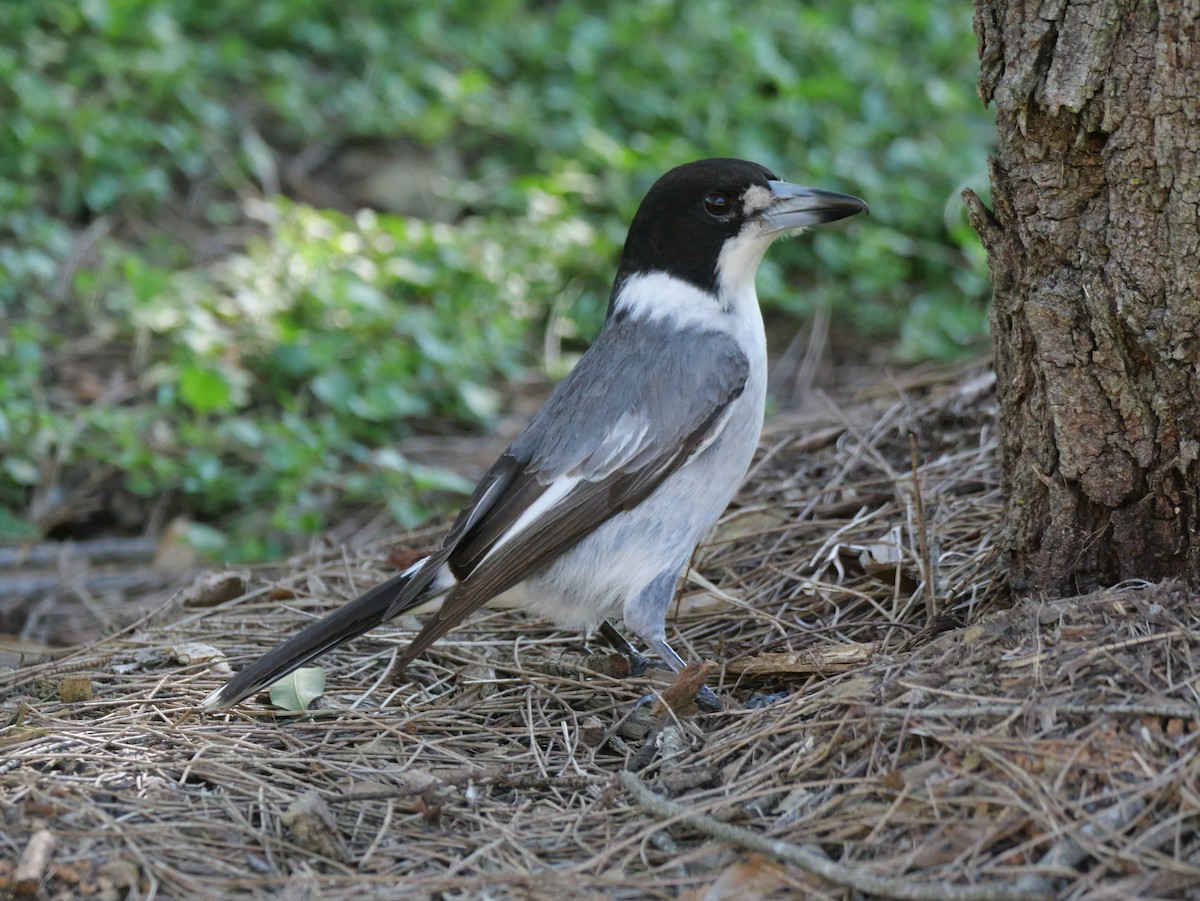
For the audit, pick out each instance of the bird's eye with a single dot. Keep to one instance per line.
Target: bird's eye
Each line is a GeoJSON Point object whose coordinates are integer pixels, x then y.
{"type": "Point", "coordinates": [716, 203]}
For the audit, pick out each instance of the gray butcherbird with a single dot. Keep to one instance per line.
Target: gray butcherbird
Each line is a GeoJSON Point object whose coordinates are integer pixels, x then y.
{"type": "Point", "coordinates": [596, 508]}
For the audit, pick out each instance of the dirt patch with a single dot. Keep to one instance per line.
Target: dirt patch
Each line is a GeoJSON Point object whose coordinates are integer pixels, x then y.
{"type": "Point", "coordinates": [894, 717]}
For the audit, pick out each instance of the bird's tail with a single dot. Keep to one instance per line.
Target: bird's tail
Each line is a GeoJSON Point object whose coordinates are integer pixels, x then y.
{"type": "Point", "coordinates": [364, 613]}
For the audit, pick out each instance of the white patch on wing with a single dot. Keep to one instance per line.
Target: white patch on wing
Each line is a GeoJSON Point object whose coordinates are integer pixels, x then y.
{"type": "Point", "coordinates": [618, 447]}
{"type": "Point", "coordinates": [552, 496]}
{"type": "Point", "coordinates": [713, 434]}
{"type": "Point", "coordinates": [412, 570]}
{"type": "Point", "coordinates": [485, 503]}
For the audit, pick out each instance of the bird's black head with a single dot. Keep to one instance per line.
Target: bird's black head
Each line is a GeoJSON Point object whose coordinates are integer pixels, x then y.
{"type": "Point", "coordinates": [700, 209]}
{"type": "Point", "coordinates": [686, 218]}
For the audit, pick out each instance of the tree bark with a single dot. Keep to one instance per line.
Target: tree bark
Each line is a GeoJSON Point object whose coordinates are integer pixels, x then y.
{"type": "Point", "coordinates": [1094, 248]}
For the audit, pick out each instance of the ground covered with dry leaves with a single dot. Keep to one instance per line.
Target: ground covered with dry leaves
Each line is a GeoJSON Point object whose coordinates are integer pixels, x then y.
{"type": "Point", "coordinates": [897, 724]}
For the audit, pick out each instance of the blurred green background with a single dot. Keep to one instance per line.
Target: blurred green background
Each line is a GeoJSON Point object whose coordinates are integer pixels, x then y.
{"type": "Point", "coordinates": [247, 247]}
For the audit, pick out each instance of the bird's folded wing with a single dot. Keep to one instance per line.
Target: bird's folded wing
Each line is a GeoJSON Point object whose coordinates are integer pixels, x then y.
{"type": "Point", "coordinates": [618, 425]}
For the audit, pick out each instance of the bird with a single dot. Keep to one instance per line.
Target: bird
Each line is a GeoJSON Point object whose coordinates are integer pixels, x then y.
{"type": "Point", "coordinates": [594, 511]}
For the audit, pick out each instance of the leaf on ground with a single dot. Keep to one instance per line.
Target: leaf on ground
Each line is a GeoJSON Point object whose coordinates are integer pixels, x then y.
{"type": "Point", "coordinates": [212, 589]}
{"type": "Point", "coordinates": [188, 652]}
{"type": "Point", "coordinates": [751, 879]}
{"type": "Point", "coordinates": [297, 690]}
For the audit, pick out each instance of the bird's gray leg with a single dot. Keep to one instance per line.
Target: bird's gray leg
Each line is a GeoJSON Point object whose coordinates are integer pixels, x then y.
{"type": "Point", "coordinates": [646, 615]}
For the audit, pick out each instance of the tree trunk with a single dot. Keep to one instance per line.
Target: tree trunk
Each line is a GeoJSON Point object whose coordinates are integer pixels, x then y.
{"type": "Point", "coordinates": [1094, 248]}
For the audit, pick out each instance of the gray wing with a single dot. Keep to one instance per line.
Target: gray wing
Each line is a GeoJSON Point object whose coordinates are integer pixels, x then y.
{"type": "Point", "coordinates": [642, 400]}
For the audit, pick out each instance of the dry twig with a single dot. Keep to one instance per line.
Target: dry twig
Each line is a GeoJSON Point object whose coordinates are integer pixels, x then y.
{"type": "Point", "coordinates": [811, 860]}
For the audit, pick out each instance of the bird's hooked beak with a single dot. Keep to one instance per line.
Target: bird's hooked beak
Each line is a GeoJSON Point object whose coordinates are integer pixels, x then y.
{"type": "Point", "coordinates": [797, 206]}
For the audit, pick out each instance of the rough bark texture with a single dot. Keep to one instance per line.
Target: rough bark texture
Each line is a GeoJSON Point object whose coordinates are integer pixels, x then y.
{"type": "Point", "coordinates": [1094, 247]}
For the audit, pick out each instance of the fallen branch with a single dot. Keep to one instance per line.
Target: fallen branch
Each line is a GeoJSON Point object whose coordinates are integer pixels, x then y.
{"type": "Point", "coordinates": [1068, 853]}
{"type": "Point", "coordinates": [35, 586]}
{"type": "Point", "coordinates": [93, 552]}
{"type": "Point", "coordinates": [1006, 707]}
{"type": "Point", "coordinates": [813, 862]}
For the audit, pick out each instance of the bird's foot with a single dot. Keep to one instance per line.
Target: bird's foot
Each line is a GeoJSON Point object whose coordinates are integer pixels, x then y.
{"type": "Point", "coordinates": [637, 663]}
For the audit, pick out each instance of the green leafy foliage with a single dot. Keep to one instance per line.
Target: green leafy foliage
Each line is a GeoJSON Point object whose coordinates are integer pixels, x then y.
{"type": "Point", "coordinates": [174, 327]}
